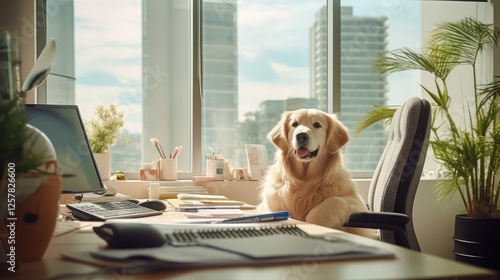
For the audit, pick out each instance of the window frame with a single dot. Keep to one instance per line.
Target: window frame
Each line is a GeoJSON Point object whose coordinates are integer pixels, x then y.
{"type": "Point", "coordinates": [333, 97]}
{"type": "Point", "coordinates": [196, 161]}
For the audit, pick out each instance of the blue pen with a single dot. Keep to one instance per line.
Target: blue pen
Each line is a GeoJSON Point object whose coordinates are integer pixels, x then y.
{"type": "Point", "coordinates": [275, 216]}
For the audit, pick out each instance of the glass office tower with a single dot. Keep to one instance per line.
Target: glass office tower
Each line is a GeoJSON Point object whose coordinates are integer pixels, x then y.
{"type": "Point", "coordinates": [220, 77]}
{"type": "Point", "coordinates": [363, 39]}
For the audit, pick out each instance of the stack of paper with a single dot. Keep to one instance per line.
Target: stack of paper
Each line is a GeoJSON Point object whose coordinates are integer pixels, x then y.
{"type": "Point", "coordinates": [193, 202]}
{"type": "Point", "coordinates": [166, 192]}
{"type": "Point", "coordinates": [211, 215]}
{"type": "Point", "coordinates": [91, 197]}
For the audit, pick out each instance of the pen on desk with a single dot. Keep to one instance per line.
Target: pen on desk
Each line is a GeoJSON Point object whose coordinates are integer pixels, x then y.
{"type": "Point", "coordinates": [275, 216]}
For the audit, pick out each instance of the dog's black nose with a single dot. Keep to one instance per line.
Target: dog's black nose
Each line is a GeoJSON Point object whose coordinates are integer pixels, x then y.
{"type": "Point", "coordinates": [302, 137]}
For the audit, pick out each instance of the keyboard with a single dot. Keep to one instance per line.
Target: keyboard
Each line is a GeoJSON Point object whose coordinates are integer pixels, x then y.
{"type": "Point", "coordinates": [101, 211]}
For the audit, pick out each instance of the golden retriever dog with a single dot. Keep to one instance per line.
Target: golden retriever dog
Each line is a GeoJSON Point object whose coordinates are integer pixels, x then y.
{"type": "Point", "coordinates": [308, 178]}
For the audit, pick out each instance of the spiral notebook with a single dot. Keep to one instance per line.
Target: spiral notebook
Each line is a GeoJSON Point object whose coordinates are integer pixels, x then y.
{"type": "Point", "coordinates": [243, 245]}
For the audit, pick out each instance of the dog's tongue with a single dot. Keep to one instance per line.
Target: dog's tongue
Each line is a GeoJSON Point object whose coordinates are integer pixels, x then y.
{"type": "Point", "coordinates": [302, 152]}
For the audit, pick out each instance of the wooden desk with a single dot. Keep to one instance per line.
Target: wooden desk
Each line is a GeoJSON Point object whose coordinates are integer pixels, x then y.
{"type": "Point", "coordinates": [407, 264]}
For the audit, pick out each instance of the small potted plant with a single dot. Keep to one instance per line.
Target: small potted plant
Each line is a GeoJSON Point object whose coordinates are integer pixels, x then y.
{"type": "Point", "coordinates": [103, 131]}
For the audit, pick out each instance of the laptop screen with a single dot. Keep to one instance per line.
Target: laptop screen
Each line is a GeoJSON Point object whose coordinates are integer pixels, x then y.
{"type": "Point", "coordinates": [64, 127]}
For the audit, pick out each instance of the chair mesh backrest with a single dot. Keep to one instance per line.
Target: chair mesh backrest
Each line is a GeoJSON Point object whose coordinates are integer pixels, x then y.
{"type": "Point", "coordinates": [390, 171]}
{"type": "Point", "coordinates": [396, 177]}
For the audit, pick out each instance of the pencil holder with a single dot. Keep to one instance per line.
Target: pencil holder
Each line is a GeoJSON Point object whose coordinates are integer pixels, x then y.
{"type": "Point", "coordinates": [168, 169]}
{"type": "Point", "coordinates": [215, 169]}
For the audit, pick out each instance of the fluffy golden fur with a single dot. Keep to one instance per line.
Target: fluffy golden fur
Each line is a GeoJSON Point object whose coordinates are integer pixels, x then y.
{"type": "Point", "coordinates": [308, 178]}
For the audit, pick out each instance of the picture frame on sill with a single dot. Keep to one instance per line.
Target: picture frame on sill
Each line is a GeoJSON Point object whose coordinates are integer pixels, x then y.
{"type": "Point", "coordinates": [256, 160]}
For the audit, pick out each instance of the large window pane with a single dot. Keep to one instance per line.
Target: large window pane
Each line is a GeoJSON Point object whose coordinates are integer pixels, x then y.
{"type": "Point", "coordinates": [368, 28]}
{"type": "Point", "coordinates": [135, 54]}
{"type": "Point", "coordinates": [257, 62]}
{"type": "Point", "coordinates": [281, 57]}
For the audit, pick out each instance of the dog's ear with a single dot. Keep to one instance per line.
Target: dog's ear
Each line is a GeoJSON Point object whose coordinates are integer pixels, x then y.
{"type": "Point", "coordinates": [278, 135]}
{"type": "Point", "coordinates": [338, 135]}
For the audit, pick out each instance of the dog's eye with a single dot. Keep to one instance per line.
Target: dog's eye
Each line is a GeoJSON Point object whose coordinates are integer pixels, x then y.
{"type": "Point", "coordinates": [317, 125]}
{"type": "Point", "coordinates": [295, 124]}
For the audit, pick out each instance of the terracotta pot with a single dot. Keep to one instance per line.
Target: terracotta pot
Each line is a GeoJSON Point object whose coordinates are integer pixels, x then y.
{"type": "Point", "coordinates": [36, 220]}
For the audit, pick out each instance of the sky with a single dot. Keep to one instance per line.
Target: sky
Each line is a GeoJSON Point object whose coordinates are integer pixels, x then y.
{"type": "Point", "coordinates": [273, 50]}
{"type": "Point", "coordinates": [274, 58]}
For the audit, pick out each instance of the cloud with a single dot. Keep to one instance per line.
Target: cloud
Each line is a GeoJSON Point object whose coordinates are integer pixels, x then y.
{"type": "Point", "coordinates": [290, 74]}
{"type": "Point", "coordinates": [109, 37]}
{"type": "Point", "coordinates": [250, 52]}
{"type": "Point", "coordinates": [112, 21]}
{"type": "Point", "coordinates": [278, 25]}
{"type": "Point", "coordinates": [90, 96]}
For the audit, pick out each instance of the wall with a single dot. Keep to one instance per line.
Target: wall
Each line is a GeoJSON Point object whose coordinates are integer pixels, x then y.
{"type": "Point", "coordinates": [20, 15]}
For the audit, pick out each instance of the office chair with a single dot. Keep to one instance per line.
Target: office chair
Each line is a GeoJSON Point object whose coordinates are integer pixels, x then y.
{"type": "Point", "coordinates": [396, 178]}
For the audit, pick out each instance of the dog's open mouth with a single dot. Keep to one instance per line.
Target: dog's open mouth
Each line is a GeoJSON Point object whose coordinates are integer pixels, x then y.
{"type": "Point", "coordinates": [303, 152]}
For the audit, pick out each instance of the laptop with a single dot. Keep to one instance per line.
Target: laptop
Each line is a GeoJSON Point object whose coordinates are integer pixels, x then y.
{"type": "Point", "coordinates": [64, 126]}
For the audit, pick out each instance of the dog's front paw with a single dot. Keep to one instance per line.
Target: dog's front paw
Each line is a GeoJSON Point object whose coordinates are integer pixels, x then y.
{"type": "Point", "coordinates": [323, 219]}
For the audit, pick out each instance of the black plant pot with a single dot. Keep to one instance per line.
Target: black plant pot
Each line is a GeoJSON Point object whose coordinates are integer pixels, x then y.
{"type": "Point", "coordinates": [477, 241]}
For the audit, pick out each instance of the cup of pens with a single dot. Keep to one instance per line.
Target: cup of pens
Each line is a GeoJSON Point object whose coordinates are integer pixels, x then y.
{"type": "Point", "coordinates": [168, 169]}
{"type": "Point", "coordinates": [167, 166]}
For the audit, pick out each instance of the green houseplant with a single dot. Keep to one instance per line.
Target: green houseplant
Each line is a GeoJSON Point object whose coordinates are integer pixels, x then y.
{"type": "Point", "coordinates": [105, 128]}
{"type": "Point", "coordinates": [14, 135]}
{"type": "Point", "coordinates": [30, 185]}
{"type": "Point", "coordinates": [28, 182]}
{"type": "Point", "coordinates": [467, 147]}
{"type": "Point", "coordinates": [103, 131]}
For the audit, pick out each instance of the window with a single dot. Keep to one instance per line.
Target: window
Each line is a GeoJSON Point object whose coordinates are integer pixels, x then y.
{"type": "Point", "coordinates": [258, 57]}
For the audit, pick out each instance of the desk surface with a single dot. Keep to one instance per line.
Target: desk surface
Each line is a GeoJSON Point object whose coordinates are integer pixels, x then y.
{"type": "Point", "coordinates": [407, 264]}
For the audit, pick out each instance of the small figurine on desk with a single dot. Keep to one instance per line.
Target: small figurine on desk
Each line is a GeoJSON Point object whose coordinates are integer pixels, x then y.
{"type": "Point", "coordinates": [118, 176]}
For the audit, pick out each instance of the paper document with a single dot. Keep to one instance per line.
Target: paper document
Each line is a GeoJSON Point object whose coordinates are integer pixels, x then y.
{"type": "Point", "coordinates": [215, 213]}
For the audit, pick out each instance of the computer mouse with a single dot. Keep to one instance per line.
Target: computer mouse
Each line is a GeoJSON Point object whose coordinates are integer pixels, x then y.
{"type": "Point", "coordinates": [154, 204]}
{"type": "Point", "coordinates": [130, 235]}
{"type": "Point", "coordinates": [109, 190]}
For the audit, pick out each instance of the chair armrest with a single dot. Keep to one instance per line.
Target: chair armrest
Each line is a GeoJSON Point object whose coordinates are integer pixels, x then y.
{"type": "Point", "coordinates": [395, 222]}
{"type": "Point", "coordinates": [378, 218]}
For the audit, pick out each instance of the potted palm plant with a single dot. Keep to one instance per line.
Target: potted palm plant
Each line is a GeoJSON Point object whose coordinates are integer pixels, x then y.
{"type": "Point", "coordinates": [467, 147]}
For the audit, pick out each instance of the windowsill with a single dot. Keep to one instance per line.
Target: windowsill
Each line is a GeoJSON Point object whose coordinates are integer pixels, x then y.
{"type": "Point", "coordinates": [238, 190]}
{"type": "Point", "coordinates": [247, 191]}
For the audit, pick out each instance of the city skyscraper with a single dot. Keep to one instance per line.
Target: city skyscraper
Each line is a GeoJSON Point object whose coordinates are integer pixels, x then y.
{"type": "Point", "coordinates": [363, 39]}
{"type": "Point", "coordinates": [220, 76]}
